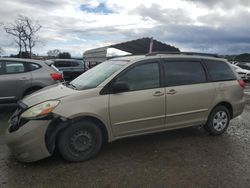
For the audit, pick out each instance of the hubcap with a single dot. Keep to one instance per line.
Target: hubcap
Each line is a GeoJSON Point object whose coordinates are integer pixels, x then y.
{"type": "Point", "coordinates": [220, 120]}
{"type": "Point", "coordinates": [81, 141]}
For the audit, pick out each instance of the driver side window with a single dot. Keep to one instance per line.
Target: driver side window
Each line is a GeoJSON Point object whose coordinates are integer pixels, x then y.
{"type": "Point", "coordinates": [140, 77]}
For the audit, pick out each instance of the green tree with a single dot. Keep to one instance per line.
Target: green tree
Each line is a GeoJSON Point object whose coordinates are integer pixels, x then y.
{"type": "Point", "coordinates": [53, 53]}
{"type": "Point", "coordinates": [64, 55]}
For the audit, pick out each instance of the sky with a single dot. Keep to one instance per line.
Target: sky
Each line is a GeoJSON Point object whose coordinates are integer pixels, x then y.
{"type": "Point", "coordinates": [74, 26]}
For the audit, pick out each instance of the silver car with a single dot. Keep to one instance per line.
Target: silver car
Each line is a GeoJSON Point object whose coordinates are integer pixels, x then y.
{"type": "Point", "coordinates": [21, 77]}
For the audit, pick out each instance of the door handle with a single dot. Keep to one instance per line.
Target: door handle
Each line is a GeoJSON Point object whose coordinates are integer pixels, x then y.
{"type": "Point", "coordinates": [172, 92]}
{"type": "Point", "coordinates": [158, 93]}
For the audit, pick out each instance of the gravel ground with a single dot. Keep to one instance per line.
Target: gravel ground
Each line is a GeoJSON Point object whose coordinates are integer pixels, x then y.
{"type": "Point", "coordinates": [182, 158]}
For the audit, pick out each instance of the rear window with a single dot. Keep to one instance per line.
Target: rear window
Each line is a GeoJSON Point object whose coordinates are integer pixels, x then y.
{"type": "Point", "coordinates": [184, 73]}
{"type": "Point", "coordinates": [62, 63]}
{"type": "Point", "coordinates": [219, 71]}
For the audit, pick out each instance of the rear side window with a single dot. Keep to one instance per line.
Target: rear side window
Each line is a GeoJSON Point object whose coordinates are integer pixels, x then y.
{"type": "Point", "coordinates": [184, 73]}
{"type": "Point", "coordinates": [14, 67]}
{"type": "Point", "coordinates": [34, 66]}
{"type": "Point", "coordinates": [144, 76]}
{"type": "Point", "coordinates": [219, 71]}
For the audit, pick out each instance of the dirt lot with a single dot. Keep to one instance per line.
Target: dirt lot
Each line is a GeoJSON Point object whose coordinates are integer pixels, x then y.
{"type": "Point", "coordinates": [181, 158]}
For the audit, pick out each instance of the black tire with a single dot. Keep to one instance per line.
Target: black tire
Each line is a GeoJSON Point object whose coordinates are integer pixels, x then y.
{"type": "Point", "coordinates": [218, 125]}
{"type": "Point", "coordinates": [80, 141]}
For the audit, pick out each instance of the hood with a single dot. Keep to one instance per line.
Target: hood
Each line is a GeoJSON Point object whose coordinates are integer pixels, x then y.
{"type": "Point", "coordinates": [48, 93]}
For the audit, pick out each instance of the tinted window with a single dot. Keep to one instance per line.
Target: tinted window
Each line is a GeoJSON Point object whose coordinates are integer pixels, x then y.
{"type": "Point", "coordinates": [184, 73]}
{"type": "Point", "coordinates": [62, 63]}
{"type": "Point", "coordinates": [220, 71]}
{"type": "Point", "coordinates": [14, 67]}
{"type": "Point", "coordinates": [145, 76]}
{"type": "Point", "coordinates": [74, 64]}
{"type": "Point", "coordinates": [34, 66]}
{"type": "Point", "coordinates": [1, 68]}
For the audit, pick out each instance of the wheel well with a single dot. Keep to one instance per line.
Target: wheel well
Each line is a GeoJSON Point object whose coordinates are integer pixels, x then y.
{"type": "Point", "coordinates": [33, 88]}
{"type": "Point", "coordinates": [98, 122]}
{"type": "Point", "coordinates": [228, 106]}
{"type": "Point", "coordinates": [58, 127]}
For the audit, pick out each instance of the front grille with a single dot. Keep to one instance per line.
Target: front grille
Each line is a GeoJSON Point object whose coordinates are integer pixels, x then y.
{"type": "Point", "coordinates": [16, 121]}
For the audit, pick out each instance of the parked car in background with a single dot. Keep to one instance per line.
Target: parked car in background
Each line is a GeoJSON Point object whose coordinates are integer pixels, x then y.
{"type": "Point", "coordinates": [244, 66]}
{"type": "Point", "coordinates": [124, 97]}
{"type": "Point", "coordinates": [243, 73]}
{"type": "Point", "coordinates": [21, 77]}
{"type": "Point", "coordinates": [71, 68]}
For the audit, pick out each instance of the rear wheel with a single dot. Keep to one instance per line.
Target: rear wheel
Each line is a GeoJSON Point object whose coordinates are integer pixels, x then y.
{"type": "Point", "coordinates": [218, 120]}
{"type": "Point", "coordinates": [80, 141]}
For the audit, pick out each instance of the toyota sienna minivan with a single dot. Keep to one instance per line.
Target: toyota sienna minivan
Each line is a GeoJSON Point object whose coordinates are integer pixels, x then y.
{"type": "Point", "coordinates": [124, 97]}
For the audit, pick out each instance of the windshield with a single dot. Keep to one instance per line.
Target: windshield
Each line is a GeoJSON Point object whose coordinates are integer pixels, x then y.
{"type": "Point", "coordinates": [95, 76]}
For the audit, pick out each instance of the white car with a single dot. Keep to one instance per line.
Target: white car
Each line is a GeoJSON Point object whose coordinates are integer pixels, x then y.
{"type": "Point", "coordinates": [243, 73]}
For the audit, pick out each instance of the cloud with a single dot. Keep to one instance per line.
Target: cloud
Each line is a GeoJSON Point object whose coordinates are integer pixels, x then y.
{"type": "Point", "coordinates": [222, 3]}
{"type": "Point", "coordinates": [78, 25]}
{"type": "Point", "coordinates": [163, 15]}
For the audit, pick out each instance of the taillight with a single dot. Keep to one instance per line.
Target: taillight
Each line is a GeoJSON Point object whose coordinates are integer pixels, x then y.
{"type": "Point", "coordinates": [56, 76]}
{"type": "Point", "coordinates": [242, 83]}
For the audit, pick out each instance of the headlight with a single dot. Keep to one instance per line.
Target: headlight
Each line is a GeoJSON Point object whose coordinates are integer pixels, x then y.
{"type": "Point", "coordinates": [40, 110]}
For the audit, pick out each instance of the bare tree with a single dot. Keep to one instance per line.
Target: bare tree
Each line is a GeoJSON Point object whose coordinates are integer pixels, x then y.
{"type": "Point", "coordinates": [31, 29]}
{"type": "Point", "coordinates": [16, 29]}
{"type": "Point", "coordinates": [24, 31]}
{"type": "Point", "coordinates": [53, 53]}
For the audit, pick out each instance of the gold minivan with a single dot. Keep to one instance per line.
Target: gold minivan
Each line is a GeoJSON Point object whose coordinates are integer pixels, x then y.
{"type": "Point", "coordinates": [122, 97]}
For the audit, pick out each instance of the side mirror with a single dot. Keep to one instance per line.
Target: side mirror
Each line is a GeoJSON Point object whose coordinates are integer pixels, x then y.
{"type": "Point", "coordinates": [120, 87]}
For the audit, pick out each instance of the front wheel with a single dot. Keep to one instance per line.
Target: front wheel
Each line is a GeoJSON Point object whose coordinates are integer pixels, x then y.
{"type": "Point", "coordinates": [80, 141]}
{"type": "Point", "coordinates": [218, 120]}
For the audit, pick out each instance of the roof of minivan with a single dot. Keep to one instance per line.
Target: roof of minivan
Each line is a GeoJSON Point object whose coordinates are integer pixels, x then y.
{"type": "Point", "coordinates": [170, 56]}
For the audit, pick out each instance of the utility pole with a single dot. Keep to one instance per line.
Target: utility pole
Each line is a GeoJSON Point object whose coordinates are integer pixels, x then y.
{"type": "Point", "coordinates": [151, 45]}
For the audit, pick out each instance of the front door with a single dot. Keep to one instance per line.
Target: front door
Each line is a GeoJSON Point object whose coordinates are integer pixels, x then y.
{"type": "Point", "coordinates": [142, 108]}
